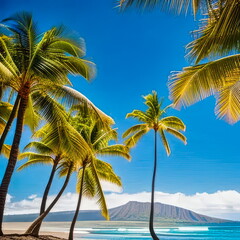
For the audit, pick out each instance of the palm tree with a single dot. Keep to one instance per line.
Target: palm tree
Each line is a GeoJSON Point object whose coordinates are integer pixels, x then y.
{"type": "Point", "coordinates": [52, 148]}
{"type": "Point", "coordinates": [217, 37]}
{"type": "Point", "coordinates": [32, 65]}
{"type": "Point", "coordinates": [66, 169]}
{"type": "Point", "coordinates": [154, 119]}
{"type": "Point", "coordinates": [97, 136]}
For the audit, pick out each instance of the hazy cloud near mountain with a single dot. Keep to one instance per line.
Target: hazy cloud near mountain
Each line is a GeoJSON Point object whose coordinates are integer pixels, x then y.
{"type": "Point", "coordinates": [222, 204]}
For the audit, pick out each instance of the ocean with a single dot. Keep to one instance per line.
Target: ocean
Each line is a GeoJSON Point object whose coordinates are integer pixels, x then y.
{"type": "Point", "coordinates": [171, 233]}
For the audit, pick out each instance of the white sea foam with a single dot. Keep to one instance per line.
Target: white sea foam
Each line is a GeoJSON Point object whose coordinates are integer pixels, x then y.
{"type": "Point", "coordinates": [81, 232]}
{"type": "Point", "coordinates": [163, 229]}
{"type": "Point", "coordinates": [122, 229]}
{"type": "Point", "coordinates": [141, 230]}
{"type": "Point", "coordinates": [193, 229]}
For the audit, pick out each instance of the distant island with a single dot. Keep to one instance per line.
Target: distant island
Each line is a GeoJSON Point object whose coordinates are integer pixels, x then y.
{"type": "Point", "coordinates": [131, 211]}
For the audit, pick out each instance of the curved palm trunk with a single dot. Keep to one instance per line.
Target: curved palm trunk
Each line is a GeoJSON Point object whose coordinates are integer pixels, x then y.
{"type": "Point", "coordinates": [151, 229]}
{"type": "Point", "coordinates": [47, 189]}
{"type": "Point", "coordinates": [9, 122]}
{"type": "Point", "coordinates": [33, 229]}
{"type": "Point", "coordinates": [13, 157]}
{"type": "Point", "coordinates": [70, 236]}
{"type": "Point", "coordinates": [45, 194]}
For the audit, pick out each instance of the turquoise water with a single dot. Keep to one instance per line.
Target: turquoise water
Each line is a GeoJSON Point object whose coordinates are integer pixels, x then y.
{"type": "Point", "coordinates": [173, 233]}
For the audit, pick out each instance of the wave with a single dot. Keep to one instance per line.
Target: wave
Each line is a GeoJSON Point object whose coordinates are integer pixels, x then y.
{"type": "Point", "coordinates": [81, 232]}
{"type": "Point", "coordinates": [193, 229]}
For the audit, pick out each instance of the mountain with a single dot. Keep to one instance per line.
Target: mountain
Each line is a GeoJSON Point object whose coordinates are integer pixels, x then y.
{"type": "Point", "coordinates": [138, 211]}
{"type": "Point", "coordinates": [131, 211]}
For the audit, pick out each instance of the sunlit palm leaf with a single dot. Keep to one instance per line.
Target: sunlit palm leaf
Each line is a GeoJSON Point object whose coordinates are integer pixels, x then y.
{"type": "Point", "coordinates": [70, 96]}
{"type": "Point", "coordinates": [177, 134]}
{"type": "Point", "coordinates": [164, 141]}
{"type": "Point", "coordinates": [132, 140]}
{"type": "Point", "coordinates": [177, 6]}
{"type": "Point", "coordinates": [173, 122]}
{"type": "Point", "coordinates": [39, 147]}
{"type": "Point", "coordinates": [99, 193]}
{"type": "Point", "coordinates": [106, 172]}
{"type": "Point", "coordinates": [34, 159]}
{"type": "Point", "coordinates": [228, 102]}
{"type": "Point", "coordinates": [6, 150]}
{"type": "Point", "coordinates": [115, 150]}
{"type": "Point", "coordinates": [134, 129]}
{"type": "Point", "coordinates": [198, 82]}
{"type": "Point", "coordinates": [89, 185]}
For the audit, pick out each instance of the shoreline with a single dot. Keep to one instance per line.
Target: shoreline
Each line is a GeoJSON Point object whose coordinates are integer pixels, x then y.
{"type": "Point", "coordinates": [18, 228]}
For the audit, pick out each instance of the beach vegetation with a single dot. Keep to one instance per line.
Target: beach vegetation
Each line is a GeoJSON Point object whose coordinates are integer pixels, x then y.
{"type": "Point", "coordinates": [99, 137]}
{"type": "Point", "coordinates": [34, 67]}
{"type": "Point", "coordinates": [154, 118]}
{"type": "Point", "coordinates": [215, 69]}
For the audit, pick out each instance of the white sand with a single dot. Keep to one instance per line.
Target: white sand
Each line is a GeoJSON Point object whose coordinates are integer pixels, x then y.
{"type": "Point", "coordinates": [48, 228]}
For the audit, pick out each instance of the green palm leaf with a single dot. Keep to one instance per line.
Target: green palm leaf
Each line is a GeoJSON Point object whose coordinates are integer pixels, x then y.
{"type": "Point", "coordinates": [198, 82]}
{"type": "Point", "coordinates": [173, 122]}
{"type": "Point", "coordinates": [115, 150]}
{"type": "Point", "coordinates": [132, 140]}
{"type": "Point", "coordinates": [228, 102]}
{"type": "Point", "coordinates": [99, 193]}
{"type": "Point", "coordinates": [177, 134]}
{"type": "Point", "coordinates": [164, 141]}
{"type": "Point", "coordinates": [177, 6]}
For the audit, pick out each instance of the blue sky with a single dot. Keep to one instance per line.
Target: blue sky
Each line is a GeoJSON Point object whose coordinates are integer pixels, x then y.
{"type": "Point", "coordinates": [135, 53]}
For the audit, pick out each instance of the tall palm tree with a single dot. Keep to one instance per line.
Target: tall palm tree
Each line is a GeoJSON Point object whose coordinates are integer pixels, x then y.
{"type": "Point", "coordinates": [217, 39]}
{"type": "Point", "coordinates": [66, 169]}
{"type": "Point", "coordinates": [154, 119]}
{"type": "Point", "coordinates": [52, 149]}
{"type": "Point", "coordinates": [32, 64]}
{"type": "Point", "coordinates": [97, 136]}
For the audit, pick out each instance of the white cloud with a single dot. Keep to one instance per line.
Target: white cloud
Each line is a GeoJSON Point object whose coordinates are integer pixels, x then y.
{"type": "Point", "coordinates": [32, 196]}
{"type": "Point", "coordinates": [224, 204]}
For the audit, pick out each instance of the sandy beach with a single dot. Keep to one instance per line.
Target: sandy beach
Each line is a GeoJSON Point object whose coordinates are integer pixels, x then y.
{"type": "Point", "coordinates": [47, 228]}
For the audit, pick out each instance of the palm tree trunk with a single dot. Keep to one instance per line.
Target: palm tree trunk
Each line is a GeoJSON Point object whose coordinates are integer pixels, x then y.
{"type": "Point", "coordinates": [70, 236]}
{"type": "Point", "coordinates": [151, 229]}
{"type": "Point", "coordinates": [13, 157]}
{"type": "Point", "coordinates": [47, 189]}
{"type": "Point", "coordinates": [9, 122]}
{"type": "Point", "coordinates": [45, 194]}
{"type": "Point", "coordinates": [33, 229]}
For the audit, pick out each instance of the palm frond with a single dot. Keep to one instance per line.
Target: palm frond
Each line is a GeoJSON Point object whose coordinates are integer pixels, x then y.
{"type": "Point", "coordinates": [65, 167]}
{"type": "Point", "coordinates": [5, 110]}
{"type": "Point", "coordinates": [115, 150]}
{"type": "Point", "coordinates": [177, 134]}
{"type": "Point", "coordinates": [173, 122]}
{"type": "Point", "coordinates": [33, 161]}
{"type": "Point", "coordinates": [198, 82]}
{"type": "Point", "coordinates": [89, 188]}
{"type": "Point", "coordinates": [40, 147]}
{"type": "Point", "coordinates": [32, 118]}
{"type": "Point", "coordinates": [177, 6]}
{"type": "Point", "coordinates": [70, 96]}
{"type": "Point", "coordinates": [219, 35]}
{"type": "Point", "coordinates": [134, 129]}
{"type": "Point", "coordinates": [139, 115]}
{"type": "Point", "coordinates": [106, 172]}
{"type": "Point", "coordinates": [165, 142]}
{"type": "Point", "coordinates": [32, 155]}
{"type": "Point", "coordinates": [228, 102]}
{"type": "Point", "coordinates": [6, 150]}
{"type": "Point", "coordinates": [99, 193]}
{"type": "Point", "coordinates": [132, 140]}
